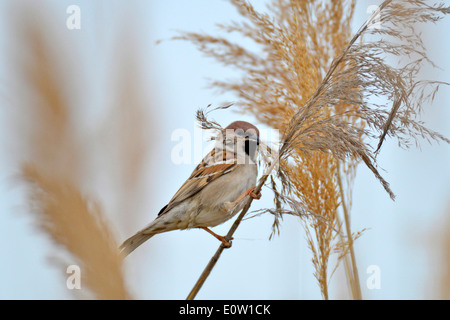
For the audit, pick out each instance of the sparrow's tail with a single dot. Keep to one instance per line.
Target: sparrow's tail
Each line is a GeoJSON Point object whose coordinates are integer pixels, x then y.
{"type": "Point", "coordinates": [129, 245]}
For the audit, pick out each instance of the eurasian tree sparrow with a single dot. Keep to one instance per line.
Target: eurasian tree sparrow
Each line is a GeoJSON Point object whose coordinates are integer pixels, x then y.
{"type": "Point", "coordinates": [214, 191]}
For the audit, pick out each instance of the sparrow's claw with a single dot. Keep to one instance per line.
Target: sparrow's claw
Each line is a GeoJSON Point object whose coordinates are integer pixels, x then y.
{"type": "Point", "coordinates": [249, 192]}
{"type": "Point", "coordinates": [255, 196]}
{"type": "Point", "coordinates": [226, 244]}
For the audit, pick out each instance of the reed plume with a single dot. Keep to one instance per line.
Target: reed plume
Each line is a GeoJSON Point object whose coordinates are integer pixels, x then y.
{"type": "Point", "coordinates": [58, 153]}
{"type": "Point", "coordinates": [78, 225]}
{"type": "Point", "coordinates": [331, 95]}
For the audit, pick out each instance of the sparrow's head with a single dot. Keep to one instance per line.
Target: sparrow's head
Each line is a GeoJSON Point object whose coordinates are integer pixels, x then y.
{"type": "Point", "coordinates": [243, 137]}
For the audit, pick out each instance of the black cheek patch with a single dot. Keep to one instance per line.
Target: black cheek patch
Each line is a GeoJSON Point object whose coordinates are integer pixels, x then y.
{"type": "Point", "coordinates": [250, 146]}
{"type": "Point", "coordinates": [247, 147]}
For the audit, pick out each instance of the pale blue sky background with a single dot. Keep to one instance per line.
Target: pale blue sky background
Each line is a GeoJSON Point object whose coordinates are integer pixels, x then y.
{"type": "Point", "coordinates": [403, 236]}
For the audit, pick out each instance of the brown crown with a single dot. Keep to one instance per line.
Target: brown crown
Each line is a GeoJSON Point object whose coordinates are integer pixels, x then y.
{"type": "Point", "coordinates": [243, 125]}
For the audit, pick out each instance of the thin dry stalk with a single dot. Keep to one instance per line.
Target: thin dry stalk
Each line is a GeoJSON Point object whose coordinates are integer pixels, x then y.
{"type": "Point", "coordinates": [353, 274]}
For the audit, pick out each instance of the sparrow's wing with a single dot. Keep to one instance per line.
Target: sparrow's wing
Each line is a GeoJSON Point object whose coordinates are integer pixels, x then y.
{"type": "Point", "coordinates": [213, 166]}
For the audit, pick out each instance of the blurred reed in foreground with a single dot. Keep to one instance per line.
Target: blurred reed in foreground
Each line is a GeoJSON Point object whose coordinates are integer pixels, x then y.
{"type": "Point", "coordinates": [57, 149]}
{"type": "Point", "coordinates": [77, 224]}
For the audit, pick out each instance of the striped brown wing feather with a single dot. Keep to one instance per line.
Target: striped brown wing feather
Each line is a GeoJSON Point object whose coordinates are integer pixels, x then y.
{"type": "Point", "coordinates": [204, 173]}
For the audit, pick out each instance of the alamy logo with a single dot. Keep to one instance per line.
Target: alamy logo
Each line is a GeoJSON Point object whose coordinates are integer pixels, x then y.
{"type": "Point", "coordinates": [376, 22]}
{"type": "Point", "coordinates": [74, 280]}
{"type": "Point", "coordinates": [73, 21]}
{"type": "Point", "coordinates": [190, 146]}
{"type": "Point", "coordinates": [374, 279]}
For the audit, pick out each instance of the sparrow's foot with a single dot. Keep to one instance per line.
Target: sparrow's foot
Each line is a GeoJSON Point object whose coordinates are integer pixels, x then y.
{"type": "Point", "coordinates": [254, 195]}
{"type": "Point", "coordinates": [250, 192]}
{"type": "Point", "coordinates": [225, 242]}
